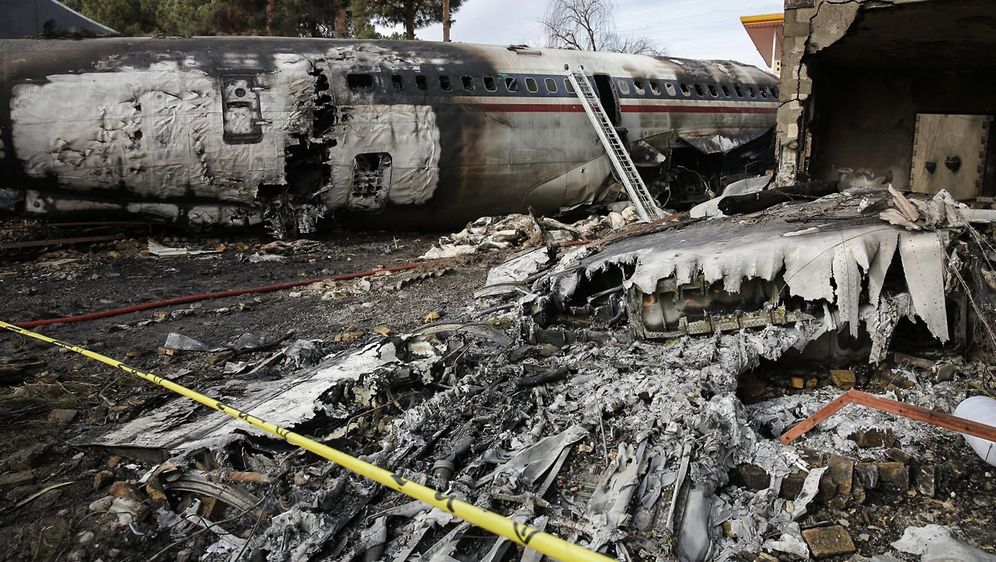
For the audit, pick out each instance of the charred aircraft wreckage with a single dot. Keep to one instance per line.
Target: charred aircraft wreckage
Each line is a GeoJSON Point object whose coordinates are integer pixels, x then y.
{"type": "Point", "coordinates": [241, 131]}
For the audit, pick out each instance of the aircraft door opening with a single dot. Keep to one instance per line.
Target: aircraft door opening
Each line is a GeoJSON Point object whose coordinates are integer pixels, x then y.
{"type": "Point", "coordinates": [607, 96]}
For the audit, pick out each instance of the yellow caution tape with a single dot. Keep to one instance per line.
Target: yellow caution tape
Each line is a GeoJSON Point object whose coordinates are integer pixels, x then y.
{"type": "Point", "coordinates": [524, 535]}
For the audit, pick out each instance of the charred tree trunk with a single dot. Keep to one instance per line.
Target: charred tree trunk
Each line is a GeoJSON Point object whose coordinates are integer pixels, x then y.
{"type": "Point", "coordinates": [341, 22]}
{"type": "Point", "coordinates": [271, 12]}
{"type": "Point", "coordinates": [446, 21]}
{"type": "Point", "coordinates": [410, 26]}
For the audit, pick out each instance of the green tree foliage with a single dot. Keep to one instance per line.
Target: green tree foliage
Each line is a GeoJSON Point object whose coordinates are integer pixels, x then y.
{"type": "Point", "coordinates": [291, 18]}
{"type": "Point", "coordinates": [413, 14]}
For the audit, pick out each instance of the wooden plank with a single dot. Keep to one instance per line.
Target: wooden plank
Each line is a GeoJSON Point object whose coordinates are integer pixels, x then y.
{"type": "Point", "coordinates": [924, 415]}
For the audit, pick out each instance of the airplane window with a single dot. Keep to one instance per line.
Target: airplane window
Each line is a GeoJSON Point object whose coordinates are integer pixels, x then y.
{"type": "Point", "coordinates": [489, 84]}
{"type": "Point", "coordinates": [750, 91]}
{"type": "Point", "coordinates": [699, 90]}
{"type": "Point", "coordinates": [726, 90]}
{"type": "Point", "coordinates": [444, 83]}
{"type": "Point", "coordinates": [468, 83]}
{"type": "Point", "coordinates": [739, 90]}
{"type": "Point", "coordinates": [359, 81]}
{"type": "Point", "coordinates": [511, 84]}
{"type": "Point", "coordinates": [396, 81]}
{"type": "Point", "coordinates": [670, 89]}
{"type": "Point", "coordinates": [774, 91]}
{"type": "Point", "coordinates": [421, 83]}
{"type": "Point", "coordinates": [655, 87]}
{"type": "Point", "coordinates": [713, 91]}
{"type": "Point", "coordinates": [531, 85]}
{"type": "Point", "coordinates": [638, 87]}
{"type": "Point", "coordinates": [623, 86]}
{"type": "Point", "coordinates": [763, 90]}
{"type": "Point", "coordinates": [686, 90]}
{"type": "Point", "coordinates": [568, 86]}
{"type": "Point", "coordinates": [551, 85]}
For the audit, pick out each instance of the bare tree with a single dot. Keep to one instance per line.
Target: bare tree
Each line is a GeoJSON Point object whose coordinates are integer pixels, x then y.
{"type": "Point", "coordinates": [589, 25]}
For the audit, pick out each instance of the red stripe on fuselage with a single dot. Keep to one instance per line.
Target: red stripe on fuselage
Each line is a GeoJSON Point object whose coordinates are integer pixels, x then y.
{"type": "Point", "coordinates": [695, 109]}
{"type": "Point", "coordinates": [574, 108]}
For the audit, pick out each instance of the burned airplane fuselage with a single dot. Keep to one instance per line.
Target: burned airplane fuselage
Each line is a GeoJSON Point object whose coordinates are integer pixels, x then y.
{"type": "Point", "coordinates": [225, 131]}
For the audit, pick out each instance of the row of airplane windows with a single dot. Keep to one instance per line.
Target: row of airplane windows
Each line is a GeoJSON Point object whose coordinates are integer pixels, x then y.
{"type": "Point", "coordinates": [636, 86]}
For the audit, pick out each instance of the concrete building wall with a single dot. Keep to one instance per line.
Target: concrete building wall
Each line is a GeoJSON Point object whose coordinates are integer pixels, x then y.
{"type": "Point", "coordinates": [855, 74]}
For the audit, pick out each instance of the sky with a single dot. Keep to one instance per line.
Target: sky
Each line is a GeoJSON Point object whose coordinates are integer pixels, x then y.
{"type": "Point", "coordinates": [699, 29]}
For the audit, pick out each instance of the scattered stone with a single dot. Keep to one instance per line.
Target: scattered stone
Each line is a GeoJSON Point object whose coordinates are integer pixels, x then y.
{"type": "Point", "coordinates": [842, 378]}
{"type": "Point", "coordinates": [16, 479]}
{"type": "Point", "coordinates": [944, 372]}
{"type": "Point", "coordinates": [836, 483]}
{"type": "Point", "coordinates": [62, 416]}
{"type": "Point", "coordinates": [85, 538]}
{"type": "Point", "coordinates": [792, 485]}
{"type": "Point", "coordinates": [828, 541]}
{"type": "Point", "coordinates": [128, 510]}
{"type": "Point", "coordinates": [894, 477]}
{"type": "Point", "coordinates": [753, 477]}
{"type": "Point", "coordinates": [102, 505]}
{"type": "Point", "coordinates": [899, 455]}
{"type": "Point", "coordinates": [800, 383]}
{"type": "Point", "coordinates": [873, 438]}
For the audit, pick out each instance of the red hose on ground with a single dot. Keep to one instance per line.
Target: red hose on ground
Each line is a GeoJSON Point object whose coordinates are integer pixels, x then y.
{"type": "Point", "coordinates": [209, 296]}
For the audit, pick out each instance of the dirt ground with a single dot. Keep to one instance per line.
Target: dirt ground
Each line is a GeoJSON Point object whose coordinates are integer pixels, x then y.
{"type": "Point", "coordinates": [40, 384]}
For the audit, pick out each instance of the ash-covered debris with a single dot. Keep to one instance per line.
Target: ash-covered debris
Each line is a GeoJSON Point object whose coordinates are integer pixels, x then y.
{"type": "Point", "coordinates": [524, 231]}
{"type": "Point", "coordinates": [626, 394]}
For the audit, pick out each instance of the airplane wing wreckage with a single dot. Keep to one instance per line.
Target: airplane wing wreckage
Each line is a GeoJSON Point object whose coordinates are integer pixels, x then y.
{"type": "Point", "coordinates": [242, 131]}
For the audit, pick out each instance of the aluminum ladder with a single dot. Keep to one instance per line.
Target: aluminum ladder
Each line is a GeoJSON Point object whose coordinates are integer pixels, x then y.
{"type": "Point", "coordinates": [637, 191]}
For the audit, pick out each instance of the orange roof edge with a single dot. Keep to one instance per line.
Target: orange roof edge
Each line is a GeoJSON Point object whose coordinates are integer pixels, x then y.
{"type": "Point", "coordinates": [763, 18]}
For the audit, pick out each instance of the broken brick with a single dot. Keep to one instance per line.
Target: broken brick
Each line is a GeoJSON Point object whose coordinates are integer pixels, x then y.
{"type": "Point", "coordinates": [894, 477]}
{"type": "Point", "coordinates": [842, 378]}
{"type": "Point", "coordinates": [874, 437]}
{"type": "Point", "coordinates": [753, 477]}
{"type": "Point", "coordinates": [899, 455]}
{"type": "Point", "coordinates": [829, 541]}
{"type": "Point", "coordinates": [836, 483]}
{"type": "Point", "coordinates": [792, 485]}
